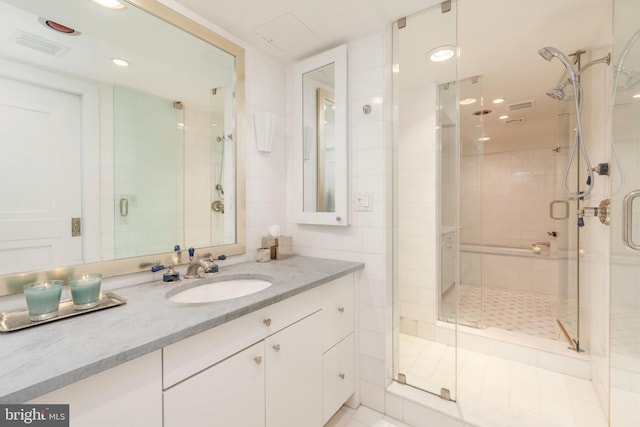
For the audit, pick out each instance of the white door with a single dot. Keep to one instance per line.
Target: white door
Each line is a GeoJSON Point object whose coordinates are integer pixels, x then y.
{"type": "Point", "coordinates": [40, 172]}
{"type": "Point", "coordinates": [294, 375]}
{"type": "Point", "coordinates": [229, 394]}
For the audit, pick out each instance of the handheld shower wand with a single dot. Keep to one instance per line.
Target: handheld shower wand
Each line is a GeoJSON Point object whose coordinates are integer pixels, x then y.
{"type": "Point", "coordinates": [549, 53]}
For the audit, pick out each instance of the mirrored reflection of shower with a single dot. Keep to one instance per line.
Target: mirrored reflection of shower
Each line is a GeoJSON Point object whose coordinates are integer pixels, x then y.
{"type": "Point", "coordinates": [218, 149]}
{"type": "Point", "coordinates": [218, 205]}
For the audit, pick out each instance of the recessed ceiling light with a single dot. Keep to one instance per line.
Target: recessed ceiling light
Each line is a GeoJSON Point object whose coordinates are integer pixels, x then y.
{"type": "Point", "coordinates": [468, 101]}
{"type": "Point", "coordinates": [120, 62]}
{"type": "Point", "coordinates": [484, 138]}
{"type": "Point", "coordinates": [109, 4]}
{"type": "Point", "coordinates": [498, 100]}
{"type": "Point", "coordinates": [503, 117]}
{"type": "Point", "coordinates": [441, 53]}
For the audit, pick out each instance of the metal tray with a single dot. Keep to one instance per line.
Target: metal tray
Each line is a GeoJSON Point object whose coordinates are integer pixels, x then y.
{"type": "Point", "coordinates": [19, 319]}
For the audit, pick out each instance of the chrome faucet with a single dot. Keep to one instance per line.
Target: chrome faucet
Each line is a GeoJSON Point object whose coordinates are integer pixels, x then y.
{"type": "Point", "coordinates": [207, 264]}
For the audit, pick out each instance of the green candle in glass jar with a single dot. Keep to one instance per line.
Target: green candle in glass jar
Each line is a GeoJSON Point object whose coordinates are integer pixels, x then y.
{"type": "Point", "coordinates": [43, 299]}
{"type": "Point", "coordinates": [85, 290]}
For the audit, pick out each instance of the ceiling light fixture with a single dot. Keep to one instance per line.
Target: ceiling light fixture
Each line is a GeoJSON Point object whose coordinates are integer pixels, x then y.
{"type": "Point", "coordinates": [498, 100]}
{"type": "Point", "coordinates": [109, 4]}
{"type": "Point", "coordinates": [484, 138]}
{"type": "Point", "coordinates": [636, 96]}
{"type": "Point", "coordinates": [441, 53]}
{"type": "Point", "coordinates": [120, 62]}
{"type": "Point", "coordinates": [503, 117]}
{"type": "Point", "coordinates": [468, 101]}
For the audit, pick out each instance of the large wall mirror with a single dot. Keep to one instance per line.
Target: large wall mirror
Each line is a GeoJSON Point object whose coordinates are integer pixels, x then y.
{"type": "Point", "coordinates": [121, 139]}
{"type": "Point", "coordinates": [321, 149]}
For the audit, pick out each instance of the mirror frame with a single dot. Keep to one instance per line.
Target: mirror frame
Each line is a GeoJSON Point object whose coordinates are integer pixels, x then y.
{"type": "Point", "coordinates": [12, 283]}
{"type": "Point", "coordinates": [340, 217]}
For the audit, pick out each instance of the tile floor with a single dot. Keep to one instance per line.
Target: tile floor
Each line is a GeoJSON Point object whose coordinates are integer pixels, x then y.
{"type": "Point", "coordinates": [362, 417]}
{"type": "Point", "coordinates": [497, 392]}
{"type": "Point", "coordinates": [524, 312]}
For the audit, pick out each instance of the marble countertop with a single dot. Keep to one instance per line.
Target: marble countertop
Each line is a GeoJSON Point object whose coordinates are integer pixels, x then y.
{"type": "Point", "coordinates": [41, 359]}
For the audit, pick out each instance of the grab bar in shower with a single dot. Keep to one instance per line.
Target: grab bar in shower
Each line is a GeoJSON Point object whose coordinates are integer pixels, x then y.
{"type": "Point", "coordinates": [627, 220]}
{"type": "Point", "coordinates": [566, 209]}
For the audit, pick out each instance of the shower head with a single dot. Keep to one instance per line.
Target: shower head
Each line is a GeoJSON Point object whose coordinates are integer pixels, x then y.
{"type": "Point", "coordinates": [545, 52]}
{"type": "Point", "coordinates": [558, 91]}
{"type": "Point", "coordinates": [549, 53]}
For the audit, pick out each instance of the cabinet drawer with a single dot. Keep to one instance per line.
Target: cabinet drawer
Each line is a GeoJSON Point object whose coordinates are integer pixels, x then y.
{"type": "Point", "coordinates": [338, 382]}
{"type": "Point", "coordinates": [196, 353]}
{"type": "Point", "coordinates": [337, 311]}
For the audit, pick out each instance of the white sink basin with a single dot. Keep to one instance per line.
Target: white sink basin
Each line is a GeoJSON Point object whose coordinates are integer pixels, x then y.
{"type": "Point", "coordinates": [220, 291]}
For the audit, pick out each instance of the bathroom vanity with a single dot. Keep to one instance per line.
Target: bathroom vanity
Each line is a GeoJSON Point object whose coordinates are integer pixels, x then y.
{"type": "Point", "coordinates": [284, 356]}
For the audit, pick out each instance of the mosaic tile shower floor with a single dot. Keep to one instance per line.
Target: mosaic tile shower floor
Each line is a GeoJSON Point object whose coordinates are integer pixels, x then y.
{"type": "Point", "coordinates": [524, 312]}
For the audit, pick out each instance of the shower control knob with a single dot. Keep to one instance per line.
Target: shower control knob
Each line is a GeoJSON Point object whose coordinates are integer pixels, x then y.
{"type": "Point", "coordinates": [603, 211]}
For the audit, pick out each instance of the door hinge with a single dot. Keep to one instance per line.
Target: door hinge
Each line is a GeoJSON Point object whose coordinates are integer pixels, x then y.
{"type": "Point", "coordinates": [445, 394]}
{"type": "Point", "coordinates": [76, 227]}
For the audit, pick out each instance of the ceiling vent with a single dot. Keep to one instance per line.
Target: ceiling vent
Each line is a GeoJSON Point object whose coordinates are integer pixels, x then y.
{"type": "Point", "coordinates": [520, 105]}
{"type": "Point", "coordinates": [41, 44]}
{"type": "Point", "coordinates": [514, 121]}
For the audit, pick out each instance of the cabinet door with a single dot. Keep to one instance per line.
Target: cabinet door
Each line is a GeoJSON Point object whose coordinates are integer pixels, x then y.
{"type": "Point", "coordinates": [230, 393]}
{"type": "Point", "coordinates": [339, 376]}
{"type": "Point", "coordinates": [294, 374]}
{"type": "Point", "coordinates": [128, 395]}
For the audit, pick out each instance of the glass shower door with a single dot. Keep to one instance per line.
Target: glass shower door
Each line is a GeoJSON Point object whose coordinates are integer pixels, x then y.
{"type": "Point", "coordinates": [625, 219]}
{"type": "Point", "coordinates": [426, 117]}
{"type": "Point", "coordinates": [472, 208]}
{"type": "Point", "coordinates": [565, 243]}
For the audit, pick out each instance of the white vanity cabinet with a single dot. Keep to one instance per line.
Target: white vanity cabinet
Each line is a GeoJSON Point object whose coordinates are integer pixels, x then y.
{"type": "Point", "coordinates": [288, 365]}
{"type": "Point", "coordinates": [277, 381]}
{"type": "Point", "coordinates": [128, 395]}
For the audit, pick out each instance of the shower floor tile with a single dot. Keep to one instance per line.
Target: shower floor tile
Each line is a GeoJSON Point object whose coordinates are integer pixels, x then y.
{"type": "Point", "coordinates": [524, 312]}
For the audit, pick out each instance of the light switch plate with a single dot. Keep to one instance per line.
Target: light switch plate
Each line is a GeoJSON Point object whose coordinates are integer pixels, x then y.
{"type": "Point", "coordinates": [363, 202]}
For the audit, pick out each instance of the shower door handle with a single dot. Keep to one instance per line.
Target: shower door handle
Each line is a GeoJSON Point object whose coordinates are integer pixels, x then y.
{"type": "Point", "coordinates": [566, 209]}
{"type": "Point", "coordinates": [627, 220]}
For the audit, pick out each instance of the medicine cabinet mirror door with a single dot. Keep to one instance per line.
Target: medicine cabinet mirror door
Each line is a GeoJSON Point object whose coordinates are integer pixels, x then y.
{"type": "Point", "coordinates": [320, 139]}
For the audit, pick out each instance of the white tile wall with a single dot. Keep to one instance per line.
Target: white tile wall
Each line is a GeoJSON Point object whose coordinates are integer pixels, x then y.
{"type": "Point", "coordinates": [517, 187]}
{"type": "Point", "coordinates": [368, 237]}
